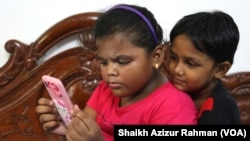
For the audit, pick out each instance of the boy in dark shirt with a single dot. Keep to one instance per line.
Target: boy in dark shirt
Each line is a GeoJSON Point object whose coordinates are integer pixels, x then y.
{"type": "Point", "coordinates": [202, 48]}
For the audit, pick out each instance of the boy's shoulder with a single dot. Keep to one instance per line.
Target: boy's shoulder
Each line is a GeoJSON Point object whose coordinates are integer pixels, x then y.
{"type": "Point", "coordinates": [220, 93]}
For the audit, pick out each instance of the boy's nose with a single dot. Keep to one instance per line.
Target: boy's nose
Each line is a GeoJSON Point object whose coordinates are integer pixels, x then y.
{"type": "Point", "coordinates": [179, 69]}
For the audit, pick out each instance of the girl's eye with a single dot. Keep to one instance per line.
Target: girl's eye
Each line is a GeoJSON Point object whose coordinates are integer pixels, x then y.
{"type": "Point", "coordinates": [123, 61]}
{"type": "Point", "coordinates": [102, 62]}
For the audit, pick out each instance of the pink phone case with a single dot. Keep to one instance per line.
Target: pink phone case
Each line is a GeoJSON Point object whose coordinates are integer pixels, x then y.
{"type": "Point", "coordinates": [60, 97]}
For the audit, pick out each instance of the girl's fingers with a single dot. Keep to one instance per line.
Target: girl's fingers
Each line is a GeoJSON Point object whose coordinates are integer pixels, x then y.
{"type": "Point", "coordinates": [75, 110]}
{"type": "Point", "coordinates": [45, 101]}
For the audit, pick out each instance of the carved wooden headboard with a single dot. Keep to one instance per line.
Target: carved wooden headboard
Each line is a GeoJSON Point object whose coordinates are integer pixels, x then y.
{"type": "Point", "coordinates": [21, 86]}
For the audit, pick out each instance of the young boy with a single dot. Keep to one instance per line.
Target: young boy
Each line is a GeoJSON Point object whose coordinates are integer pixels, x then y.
{"type": "Point", "coordinates": [202, 48]}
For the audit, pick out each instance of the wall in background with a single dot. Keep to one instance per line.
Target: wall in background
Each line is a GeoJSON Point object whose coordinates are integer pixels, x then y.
{"type": "Point", "coordinates": [26, 20]}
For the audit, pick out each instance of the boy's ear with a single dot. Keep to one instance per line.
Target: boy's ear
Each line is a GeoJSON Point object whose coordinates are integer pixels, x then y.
{"type": "Point", "coordinates": [222, 69]}
{"type": "Point", "coordinates": [158, 55]}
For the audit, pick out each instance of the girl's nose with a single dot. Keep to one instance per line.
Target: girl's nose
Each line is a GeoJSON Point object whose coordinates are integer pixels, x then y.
{"type": "Point", "coordinates": [112, 70]}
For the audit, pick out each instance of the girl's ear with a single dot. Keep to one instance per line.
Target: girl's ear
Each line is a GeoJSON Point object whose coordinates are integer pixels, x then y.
{"type": "Point", "coordinates": [222, 69]}
{"type": "Point", "coordinates": [158, 55]}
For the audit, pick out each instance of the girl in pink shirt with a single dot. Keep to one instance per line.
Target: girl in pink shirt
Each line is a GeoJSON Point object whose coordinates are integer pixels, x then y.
{"type": "Point", "coordinates": [133, 91]}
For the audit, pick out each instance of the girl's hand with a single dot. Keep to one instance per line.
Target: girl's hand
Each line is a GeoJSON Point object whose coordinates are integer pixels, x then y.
{"type": "Point", "coordinates": [83, 127]}
{"type": "Point", "coordinates": [49, 117]}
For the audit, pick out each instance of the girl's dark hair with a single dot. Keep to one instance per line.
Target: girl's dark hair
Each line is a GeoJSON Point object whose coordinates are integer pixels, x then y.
{"type": "Point", "coordinates": [128, 22]}
{"type": "Point", "coordinates": [213, 33]}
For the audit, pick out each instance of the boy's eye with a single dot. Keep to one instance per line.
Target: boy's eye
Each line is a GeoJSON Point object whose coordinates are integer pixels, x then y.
{"type": "Point", "coordinates": [191, 63]}
{"type": "Point", "coordinates": [172, 57]}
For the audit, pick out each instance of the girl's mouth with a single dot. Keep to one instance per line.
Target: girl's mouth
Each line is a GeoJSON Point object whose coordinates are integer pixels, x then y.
{"type": "Point", "coordinates": [114, 85]}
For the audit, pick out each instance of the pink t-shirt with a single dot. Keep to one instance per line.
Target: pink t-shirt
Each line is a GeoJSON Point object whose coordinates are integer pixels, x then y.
{"type": "Point", "coordinates": [166, 105]}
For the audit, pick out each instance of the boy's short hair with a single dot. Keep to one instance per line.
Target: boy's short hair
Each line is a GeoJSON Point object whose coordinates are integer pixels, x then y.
{"type": "Point", "coordinates": [213, 33]}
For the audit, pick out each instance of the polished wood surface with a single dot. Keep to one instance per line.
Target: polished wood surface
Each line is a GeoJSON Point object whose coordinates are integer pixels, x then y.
{"type": "Point", "coordinates": [21, 85]}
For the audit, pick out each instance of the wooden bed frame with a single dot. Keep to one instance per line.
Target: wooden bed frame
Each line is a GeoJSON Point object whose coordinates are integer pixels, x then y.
{"type": "Point", "coordinates": [21, 85]}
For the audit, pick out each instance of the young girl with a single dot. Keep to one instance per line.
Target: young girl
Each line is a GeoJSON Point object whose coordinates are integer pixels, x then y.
{"type": "Point", "coordinates": [201, 51]}
{"type": "Point", "coordinates": [133, 90]}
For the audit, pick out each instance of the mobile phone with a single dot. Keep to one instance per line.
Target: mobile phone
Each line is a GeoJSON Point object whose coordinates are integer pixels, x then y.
{"type": "Point", "coordinates": [59, 96]}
